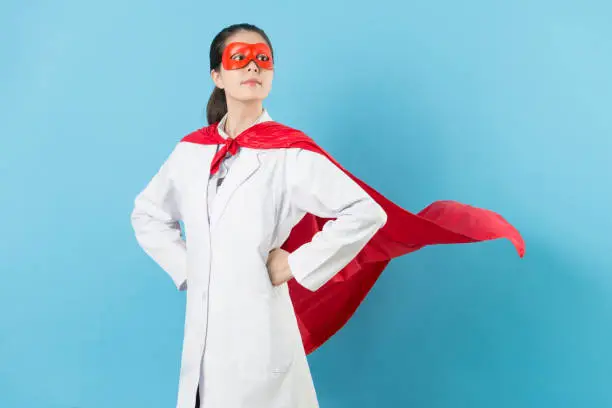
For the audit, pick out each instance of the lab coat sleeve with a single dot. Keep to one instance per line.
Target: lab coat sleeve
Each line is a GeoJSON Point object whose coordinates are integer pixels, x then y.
{"type": "Point", "coordinates": [155, 220]}
{"type": "Point", "coordinates": [318, 186]}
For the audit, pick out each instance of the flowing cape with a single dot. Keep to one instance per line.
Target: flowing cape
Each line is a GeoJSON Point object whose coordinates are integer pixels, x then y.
{"type": "Point", "coordinates": [322, 313]}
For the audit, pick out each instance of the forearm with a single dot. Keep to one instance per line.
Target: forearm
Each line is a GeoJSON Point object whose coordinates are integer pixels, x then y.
{"type": "Point", "coordinates": [332, 248]}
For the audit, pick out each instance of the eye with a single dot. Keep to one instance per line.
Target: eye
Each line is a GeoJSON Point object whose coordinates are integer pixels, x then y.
{"type": "Point", "coordinates": [238, 57]}
{"type": "Point", "coordinates": [263, 57]}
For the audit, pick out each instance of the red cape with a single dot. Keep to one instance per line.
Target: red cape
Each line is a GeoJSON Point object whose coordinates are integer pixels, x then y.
{"type": "Point", "coordinates": [322, 313]}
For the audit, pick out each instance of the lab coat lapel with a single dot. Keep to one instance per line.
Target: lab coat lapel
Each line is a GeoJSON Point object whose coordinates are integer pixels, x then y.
{"type": "Point", "coordinates": [240, 170]}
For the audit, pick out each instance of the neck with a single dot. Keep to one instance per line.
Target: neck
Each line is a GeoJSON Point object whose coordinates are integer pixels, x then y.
{"type": "Point", "coordinates": [241, 116]}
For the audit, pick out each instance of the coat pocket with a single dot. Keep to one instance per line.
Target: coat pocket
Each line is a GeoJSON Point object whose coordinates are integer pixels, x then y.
{"type": "Point", "coordinates": [267, 336]}
{"type": "Point", "coordinates": [282, 335]}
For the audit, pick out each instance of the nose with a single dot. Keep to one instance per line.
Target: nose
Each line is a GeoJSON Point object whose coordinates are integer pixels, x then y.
{"type": "Point", "coordinates": [252, 66]}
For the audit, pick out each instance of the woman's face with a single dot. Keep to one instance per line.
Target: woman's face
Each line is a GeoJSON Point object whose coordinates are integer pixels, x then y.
{"type": "Point", "coordinates": [248, 83]}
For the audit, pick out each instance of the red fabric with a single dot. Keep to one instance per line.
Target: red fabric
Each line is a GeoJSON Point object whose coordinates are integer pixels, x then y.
{"type": "Point", "coordinates": [323, 312]}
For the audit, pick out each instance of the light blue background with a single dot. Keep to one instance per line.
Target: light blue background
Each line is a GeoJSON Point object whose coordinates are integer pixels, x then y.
{"type": "Point", "coordinates": [504, 105]}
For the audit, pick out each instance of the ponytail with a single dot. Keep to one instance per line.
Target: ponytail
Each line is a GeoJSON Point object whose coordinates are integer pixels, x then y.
{"type": "Point", "coordinates": [217, 106]}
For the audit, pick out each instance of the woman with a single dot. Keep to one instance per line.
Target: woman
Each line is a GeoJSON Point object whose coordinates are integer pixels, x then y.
{"type": "Point", "coordinates": [268, 278]}
{"type": "Point", "coordinates": [241, 342]}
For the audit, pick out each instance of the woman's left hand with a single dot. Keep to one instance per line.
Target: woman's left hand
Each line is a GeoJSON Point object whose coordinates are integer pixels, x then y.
{"type": "Point", "coordinates": [278, 266]}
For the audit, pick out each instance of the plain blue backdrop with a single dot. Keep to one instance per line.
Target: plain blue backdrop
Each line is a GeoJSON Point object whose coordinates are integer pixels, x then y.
{"type": "Point", "coordinates": [503, 105]}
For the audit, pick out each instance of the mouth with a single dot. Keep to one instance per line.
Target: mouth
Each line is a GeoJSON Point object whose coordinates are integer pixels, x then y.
{"type": "Point", "coordinates": [251, 82]}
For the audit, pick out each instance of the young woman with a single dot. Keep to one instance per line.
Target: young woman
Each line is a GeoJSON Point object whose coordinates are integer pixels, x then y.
{"type": "Point", "coordinates": [281, 243]}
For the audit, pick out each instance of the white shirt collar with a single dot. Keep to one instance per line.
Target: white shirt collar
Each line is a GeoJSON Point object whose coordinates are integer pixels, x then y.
{"type": "Point", "coordinates": [264, 117]}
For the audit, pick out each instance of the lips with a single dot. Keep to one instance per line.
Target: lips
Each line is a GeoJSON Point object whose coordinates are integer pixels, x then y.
{"type": "Point", "coordinates": [251, 82]}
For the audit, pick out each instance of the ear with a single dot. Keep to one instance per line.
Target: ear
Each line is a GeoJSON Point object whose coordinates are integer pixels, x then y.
{"type": "Point", "coordinates": [216, 77]}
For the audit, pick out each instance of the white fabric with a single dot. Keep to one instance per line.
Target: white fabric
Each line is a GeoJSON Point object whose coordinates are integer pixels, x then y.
{"type": "Point", "coordinates": [241, 339]}
{"type": "Point", "coordinates": [216, 179]}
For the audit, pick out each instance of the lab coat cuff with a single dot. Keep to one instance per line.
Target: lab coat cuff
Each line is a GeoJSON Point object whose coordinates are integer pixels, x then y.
{"type": "Point", "coordinates": [300, 272]}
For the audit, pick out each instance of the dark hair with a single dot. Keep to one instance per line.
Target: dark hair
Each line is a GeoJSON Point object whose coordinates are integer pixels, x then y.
{"type": "Point", "coordinates": [217, 105]}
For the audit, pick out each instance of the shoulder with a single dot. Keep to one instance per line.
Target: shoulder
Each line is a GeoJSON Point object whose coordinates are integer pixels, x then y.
{"type": "Point", "coordinates": [305, 163]}
{"type": "Point", "coordinates": [199, 136]}
{"type": "Point", "coordinates": [292, 143]}
{"type": "Point", "coordinates": [191, 147]}
{"type": "Point", "coordinates": [197, 141]}
{"type": "Point", "coordinates": [278, 133]}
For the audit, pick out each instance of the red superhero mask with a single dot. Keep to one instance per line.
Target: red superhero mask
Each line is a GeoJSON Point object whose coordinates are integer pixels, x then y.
{"type": "Point", "coordinates": [238, 55]}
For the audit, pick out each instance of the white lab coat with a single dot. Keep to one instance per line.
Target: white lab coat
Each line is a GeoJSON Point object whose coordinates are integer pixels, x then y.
{"type": "Point", "coordinates": [241, 339]}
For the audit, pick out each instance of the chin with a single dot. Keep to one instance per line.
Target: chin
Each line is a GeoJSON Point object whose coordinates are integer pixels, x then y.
{"type": "Point", "coordinates": [253, 96]}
